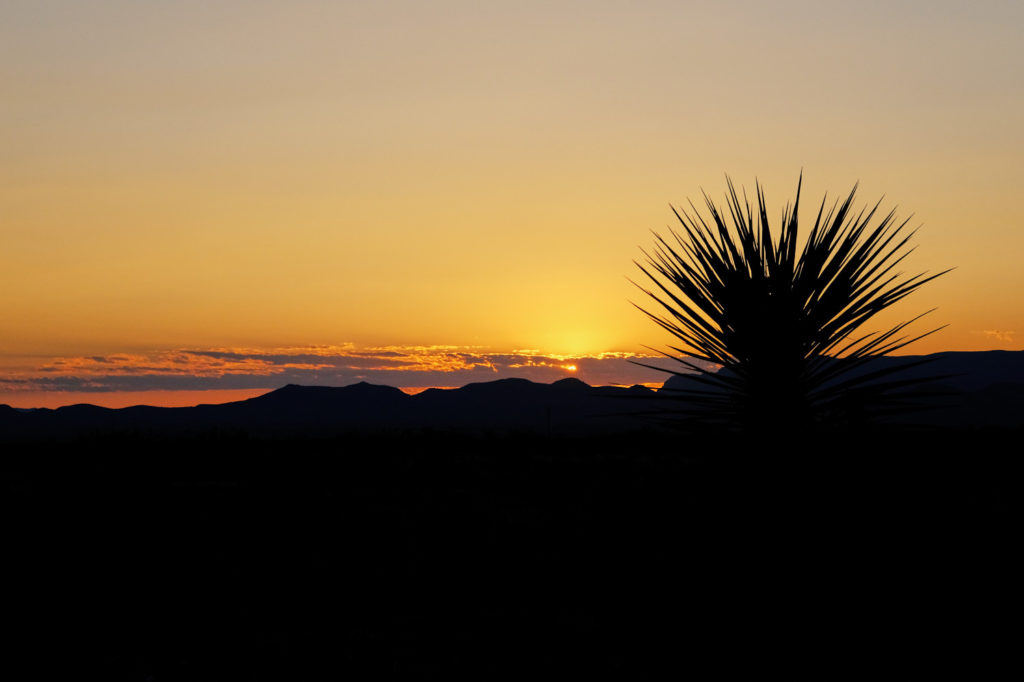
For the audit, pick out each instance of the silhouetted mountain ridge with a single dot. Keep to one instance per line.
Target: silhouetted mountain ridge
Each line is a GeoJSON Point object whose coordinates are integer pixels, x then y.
{"type": "Point", "coordinates": [567, 407]}
{"type": "Point", "coordinates": [968, 389]}
{"type": "Point", "coordinates": [980, 389]}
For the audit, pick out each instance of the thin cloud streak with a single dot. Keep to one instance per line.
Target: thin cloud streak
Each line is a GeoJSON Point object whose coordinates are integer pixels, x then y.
{"type": "Point", "coordinates": [410, 367]}
{"type": "Point", "coordinates": [1006, 336]}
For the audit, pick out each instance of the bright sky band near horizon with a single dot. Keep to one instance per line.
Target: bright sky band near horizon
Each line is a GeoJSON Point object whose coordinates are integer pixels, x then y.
{"type": "Point", "coordinates": [265, 185]}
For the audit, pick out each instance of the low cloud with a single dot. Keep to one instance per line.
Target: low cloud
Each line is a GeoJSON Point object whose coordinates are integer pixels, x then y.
{"type": "Point", "coordinates": [997, 334]}
{"type": "Point", "coordinates": [255, 368]}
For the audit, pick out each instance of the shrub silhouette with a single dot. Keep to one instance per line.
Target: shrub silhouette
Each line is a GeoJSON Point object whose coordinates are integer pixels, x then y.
{"type": "Point", "coordinates": [783, 328]}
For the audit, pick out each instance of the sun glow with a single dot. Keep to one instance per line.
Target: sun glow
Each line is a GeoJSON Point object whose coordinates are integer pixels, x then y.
{"type": "Point", "coordinates": [571, 368]}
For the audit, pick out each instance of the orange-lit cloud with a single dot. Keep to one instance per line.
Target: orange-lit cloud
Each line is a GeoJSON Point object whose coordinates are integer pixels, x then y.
{"type": "Point", "coordinates": [251, 368]}
{"type": "Point", "coordinates": [1006, 336]}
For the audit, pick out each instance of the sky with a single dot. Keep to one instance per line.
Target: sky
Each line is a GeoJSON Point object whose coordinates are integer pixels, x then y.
{"type": "Point", "coordinates": [200, 197]}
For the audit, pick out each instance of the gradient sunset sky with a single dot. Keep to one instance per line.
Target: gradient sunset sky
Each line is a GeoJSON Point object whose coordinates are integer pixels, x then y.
{"type": "Point", "coordinates": [230, 196]}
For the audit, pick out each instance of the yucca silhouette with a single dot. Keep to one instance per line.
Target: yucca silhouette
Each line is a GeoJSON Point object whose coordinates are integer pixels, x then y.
{"type": "Point", "coordinates": [783, 328]}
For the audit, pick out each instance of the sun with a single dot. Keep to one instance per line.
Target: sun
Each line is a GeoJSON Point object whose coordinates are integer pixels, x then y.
{"type": "Point", "coordinates": [571, 368]}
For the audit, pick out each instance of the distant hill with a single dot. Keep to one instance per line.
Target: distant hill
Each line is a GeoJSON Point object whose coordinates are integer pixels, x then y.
{"type": "Point", "coordinates": [566, 407]}
{"type": "Point", "coordinates": [981, 389]}
{"type": "Point", "coordinates": [974, 389]}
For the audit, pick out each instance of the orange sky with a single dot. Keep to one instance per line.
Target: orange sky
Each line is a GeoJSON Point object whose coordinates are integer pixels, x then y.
{"type": "Point", "coordinates": [264, 175]}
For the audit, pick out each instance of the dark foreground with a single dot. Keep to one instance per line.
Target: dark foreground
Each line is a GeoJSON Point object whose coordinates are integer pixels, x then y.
{"type": "Point", "coordinates": [230, 558]}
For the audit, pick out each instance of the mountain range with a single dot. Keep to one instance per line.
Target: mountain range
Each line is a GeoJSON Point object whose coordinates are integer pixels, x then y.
{"type": "Point", "coordinates": [978, 390]}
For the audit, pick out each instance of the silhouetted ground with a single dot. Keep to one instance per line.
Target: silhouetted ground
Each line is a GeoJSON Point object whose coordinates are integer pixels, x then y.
{"type": "Point", "coordinates": [428, 555]}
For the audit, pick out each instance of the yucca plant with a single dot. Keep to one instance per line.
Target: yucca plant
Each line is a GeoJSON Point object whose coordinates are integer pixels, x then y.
{"type": "Point", "coordinates": [782, 323]}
